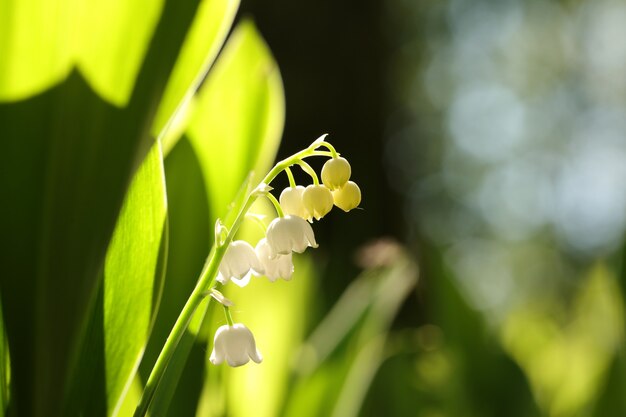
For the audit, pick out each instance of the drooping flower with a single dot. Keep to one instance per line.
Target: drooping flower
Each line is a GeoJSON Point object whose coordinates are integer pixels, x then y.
{"type": "Point", "coordinates": [289, 234]}
{"type": "Point", "coordinates": [347, 197]}
{"type": "Point", "coordinates": [238, 263]}
{"type": "Point", "coordinates": [235, 344]}
{"type": "Point", "coordinates": [318, 201]}
{"type": "Point", "coordinates": [336, 172]}
{"type": "Point", "coordinates": [276, 266]}
{"type": "Point", "coordinates": [291, 201]}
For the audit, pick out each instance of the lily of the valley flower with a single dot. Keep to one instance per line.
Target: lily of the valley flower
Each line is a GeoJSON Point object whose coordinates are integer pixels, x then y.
{"type": "Point", "coordinates": [276, 266]}
{"type": "Point", "coordinates": [336, 172]}
{"type": "Point", "coordinates": [239, 262]}
{"type": "Point", "coordinates": [291, 201]}
{"type": "Point", "coordinates": [318, 201]}
{"type": "Point", "coordinates": [290, 234]}
{"type": "Point", "coordinates": [236, 345]}
{"type": "Point", "coordinates": [347, 197]}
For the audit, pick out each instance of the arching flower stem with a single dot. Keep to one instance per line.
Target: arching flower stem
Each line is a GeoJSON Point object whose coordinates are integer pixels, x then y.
{"type": "Point", "coordinates": [208, 275]}
{"type": "Point", "coordinates": [292, 181]}
{"type": "Point", "coordinates": [279, 210]}
{"type": "Point", "coordinates": [331, 148]}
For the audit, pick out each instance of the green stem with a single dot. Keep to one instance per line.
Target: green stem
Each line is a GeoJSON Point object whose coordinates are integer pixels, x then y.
{"type": "Point", "coordinates": [276, 204]}
{"type": "Point", "coordinates": [205, 281]}
{"type": "Point", "coordinates": [330, 147]}
{"type": "Point", "coordinates": [292, 181]}
{"type": "Point", "coordinates": [229, 318]}
{"type": "Point", "coordinates": [309, 170]}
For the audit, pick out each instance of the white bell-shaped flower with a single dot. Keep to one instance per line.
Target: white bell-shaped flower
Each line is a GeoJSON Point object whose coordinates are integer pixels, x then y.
{"type": "Point", "coordinates": [276, 266]}
{"type": "Point", "coordinates": [318, 201]}
{"type": "Point", "coordinates": [238, 263]}
{"type": "Point", "coordinates": [336, 172]}
{"type": "Point", "coordinates": [291, 201]}
{"type": "Point", "coordinates": [290, 234]}
{"type": "Point", "coordinates": [234, 344]}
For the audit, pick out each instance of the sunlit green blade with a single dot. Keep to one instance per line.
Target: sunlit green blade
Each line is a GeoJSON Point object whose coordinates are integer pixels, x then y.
{"type": "Point", "coordinates": [133, 275]}
{"type": "Point", "coordinates": [204, 40]}
{"type": "Point", "coordinates": [106, 39]}
{"type": "Point", "coordinates": [190, 235]}
{"type": "Point", "coordinates": [238, 117]}
{"type": "Point", "coordinates": [33, 60]}
{"type": "Point", "coordinates": [111, 38]}
{"type": "Point", "coordinates": [128, 297]}
{"type": "Point", "coordinates": [67, 160]}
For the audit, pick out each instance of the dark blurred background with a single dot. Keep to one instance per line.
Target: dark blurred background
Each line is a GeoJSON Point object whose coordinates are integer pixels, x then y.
{"type": "Point", "coordinates": [489, 137]}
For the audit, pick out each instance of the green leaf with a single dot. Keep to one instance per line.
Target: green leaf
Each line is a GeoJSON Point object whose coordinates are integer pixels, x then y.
{"type": "Point", "coordinates": [238, 117]}
{"type": "Point", "coordinates": [128, 297]}
{"type": "Point", "coordinates": [190, 235]}
{"type": "Point", "coordinates": [106, 40]}
{"type": "Point", "coordinates": [67, 160]}
{"type": "Point", "coordinates": [206, 36]}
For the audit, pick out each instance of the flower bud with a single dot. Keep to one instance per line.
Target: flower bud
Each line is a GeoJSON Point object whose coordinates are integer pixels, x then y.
{"type": "Point", "coordinates": [236, 345]}
{"type": "Point", "coordinates": [291, 201]}
{"type": "Point", "coordinates": [347, 197]}
{"type": "Point", "coordinates": [318, 201]}
{"type": "Point", "coordinates": [336, 172]}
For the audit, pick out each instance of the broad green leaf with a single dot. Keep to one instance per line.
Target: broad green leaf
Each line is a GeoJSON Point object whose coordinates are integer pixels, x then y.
{"type": "Point", "coordinates": [133, 274]}
{"type": "Point", "coordinates": [242, 89]}
{"type": "Point", "coordinates": [204, 40]}
{"type": "Point", "coordinates": [106, 39]}
{"type": "Point", "coordinates": [128, 298]}
{"type": "Point", "coordinates": [68, 157]}
{"type": "Point", "coordinates": [238, 118]}
{"type": "Point", "coordinates": [190, 235]}
{"type": "Point", "coordinates": [33, 60]}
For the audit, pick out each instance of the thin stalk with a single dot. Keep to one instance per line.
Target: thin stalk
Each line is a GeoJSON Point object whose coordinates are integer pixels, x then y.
{"type": "Point", "coordinates": [330, 147]}
{"type": "Point", "coordinates": [229, 318]}
{"type": "Point", "coordinates": [292, 181]}
{"type": "Point", "coordinates": [277, 207]}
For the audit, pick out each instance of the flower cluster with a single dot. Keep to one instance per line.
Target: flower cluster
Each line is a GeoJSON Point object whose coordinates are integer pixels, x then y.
{"type": "Point", "coordinates": [290, 232]}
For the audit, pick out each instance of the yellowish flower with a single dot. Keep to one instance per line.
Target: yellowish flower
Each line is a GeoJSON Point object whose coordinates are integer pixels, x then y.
{"type": "Point", "coordinates": [347, 197]}
{"type": "Point", "coordinates": [336, 172]}
{"type": "Point", "coordinates": [318, 201]}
